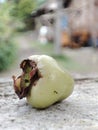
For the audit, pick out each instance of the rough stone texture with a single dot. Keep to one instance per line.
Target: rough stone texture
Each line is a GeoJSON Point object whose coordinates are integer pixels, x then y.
{"type": "Point", "coordinates": [78, 112]}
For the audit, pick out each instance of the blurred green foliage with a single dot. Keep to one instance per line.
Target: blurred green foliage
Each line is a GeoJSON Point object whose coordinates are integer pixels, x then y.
{"type": "Point", "coordinates": [13, 16]}
{"type": "Point", "coordinates": [7, 54]}
{"type": "Point", "coordinates": [8, 25]}
{"type": "Point", "coordinates": [22, 10]}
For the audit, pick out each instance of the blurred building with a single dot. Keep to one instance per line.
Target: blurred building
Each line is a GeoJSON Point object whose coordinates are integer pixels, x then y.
{"type": "Point", "coordinates": [81, 18]}
{"type": "Point", "coordinates": [84, 13]}
{"type": "Point", "coordinates": [85, 17]}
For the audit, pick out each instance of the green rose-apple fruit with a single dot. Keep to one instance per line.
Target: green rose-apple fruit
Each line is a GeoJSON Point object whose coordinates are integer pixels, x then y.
{"type": "Point", "coordinates": [42, 81]}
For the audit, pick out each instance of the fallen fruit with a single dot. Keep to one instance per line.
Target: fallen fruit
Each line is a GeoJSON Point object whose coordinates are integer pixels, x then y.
{"type": "Point", "coordinates": [42, 81]}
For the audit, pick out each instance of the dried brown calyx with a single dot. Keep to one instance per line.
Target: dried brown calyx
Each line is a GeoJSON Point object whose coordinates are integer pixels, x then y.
{"type": "Point", "coordinates": [29, 78]}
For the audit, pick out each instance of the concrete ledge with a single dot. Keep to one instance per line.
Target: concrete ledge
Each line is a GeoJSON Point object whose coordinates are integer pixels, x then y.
{"type": "Point", "coordinates": [78, 112]}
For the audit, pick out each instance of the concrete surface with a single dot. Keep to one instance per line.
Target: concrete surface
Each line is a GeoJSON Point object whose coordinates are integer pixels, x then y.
{"type": "Point", "coordinates": [78, 112]}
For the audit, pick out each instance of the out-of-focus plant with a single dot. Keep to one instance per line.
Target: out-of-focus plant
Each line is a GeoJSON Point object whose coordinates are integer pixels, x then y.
{"type": "Point", "coordinates": [7, 54]}
{"type": "Point", "coordinates": [8, 23]}
{"type": "Point", "coordinates": [24, 8]}
{"type": "Point", "coordinates": [22, 11]}
{"type": "Point", "coordinates": [8, 27]}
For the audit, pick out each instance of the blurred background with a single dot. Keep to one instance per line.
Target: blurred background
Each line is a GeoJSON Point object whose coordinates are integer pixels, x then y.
{"type": "Point", "coordinates": [64, 29]}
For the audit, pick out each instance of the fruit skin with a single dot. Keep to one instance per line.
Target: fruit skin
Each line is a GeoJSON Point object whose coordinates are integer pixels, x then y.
{"type": "Point", "coordinates": [54, 86]}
